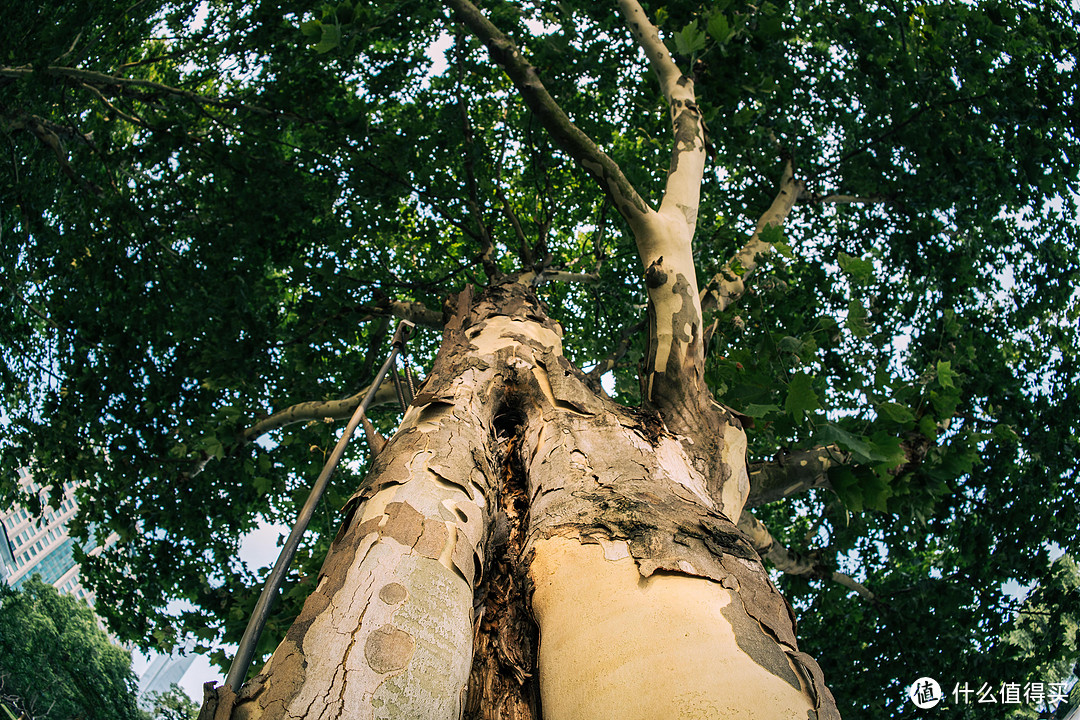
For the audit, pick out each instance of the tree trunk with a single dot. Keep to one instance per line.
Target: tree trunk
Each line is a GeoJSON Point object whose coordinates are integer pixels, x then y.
{"type": "Point", "coordinates": [585, 550]}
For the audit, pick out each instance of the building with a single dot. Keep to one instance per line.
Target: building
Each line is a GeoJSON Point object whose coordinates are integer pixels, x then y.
{"type": "Point", "coordinates": [41, 546]}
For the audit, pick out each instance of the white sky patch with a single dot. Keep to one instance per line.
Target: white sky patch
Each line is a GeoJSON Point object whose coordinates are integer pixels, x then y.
{"type": "Point", "coordinates": [198, 20]}
{"type": "Point", "coordinates": [260, 547]}
{"type": "Point", "coordinates": [607, 381]}
{"type": "Point", "coordinates": [436, 52]}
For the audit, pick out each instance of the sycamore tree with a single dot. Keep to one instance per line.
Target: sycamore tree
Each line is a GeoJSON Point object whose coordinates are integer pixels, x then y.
{"type": "Point", "coordinates": [714, 299]}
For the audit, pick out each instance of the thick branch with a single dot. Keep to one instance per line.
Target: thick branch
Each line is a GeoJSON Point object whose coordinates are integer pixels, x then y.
{"type": "Point", "coordinates": [683, 189]}
{"type": "Point", "coordinates": [569, 137]}
{"type": "Point", "coordinates": [730, 283]}
{"type": "Point", "coordinates": [793, 563]}
{"type": "Point", "coordinates": [416, 313]}
{"type": "Point", "coordinates": [793, 474]}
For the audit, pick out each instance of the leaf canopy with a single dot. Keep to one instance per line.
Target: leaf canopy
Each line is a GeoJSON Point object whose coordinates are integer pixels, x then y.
{"type": "Point", "coordinates": [208, 211]}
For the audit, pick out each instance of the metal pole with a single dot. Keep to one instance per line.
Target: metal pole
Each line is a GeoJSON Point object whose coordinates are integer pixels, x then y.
{"type": "Point", "coordinates": [246, 650]}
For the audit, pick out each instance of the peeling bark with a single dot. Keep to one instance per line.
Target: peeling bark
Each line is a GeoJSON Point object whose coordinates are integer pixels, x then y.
{"type": "Point", "coordinates": [514, 493]}
{"type": "Point", "coordinates": [793, 563]}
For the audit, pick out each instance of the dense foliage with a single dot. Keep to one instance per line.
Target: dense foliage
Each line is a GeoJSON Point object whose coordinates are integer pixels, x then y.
{"type": "Point", "coordinates": [207, 209]}
{"type": "Point", "coordinates": [56, 663]}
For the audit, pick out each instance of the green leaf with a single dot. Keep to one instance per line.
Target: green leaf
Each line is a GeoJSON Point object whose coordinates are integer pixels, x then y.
{"type": "Point", "coordinates": [857, 319]}
{"type": "Point", "coordinates": [946, 376]}
{"type": "Point", "coordinates": [928, 427]}
{"type": "Point", "coordinates": [719, 28]}
{"type": "Point", "coordinates": [859, 270]}
{"type": "Point", "coordinates": [846, 485]}
{"type": "Point", "coordinates": [772, 234]}
{"type": "Point", "coordinates": [1005, 432]}
{"type": "Point", "coordinates": [896, 412]}
{"type": "Point", "coordinates": [784, 249]}
{"type": "Point", "coordinates": [858, 447]}
{"type": "Point", "coordinates": [331, 38]}
{"type": "Point", "coordinates": [876, 492]}
{"type": "Point", "coordinates": [756, 410]}
{"type": "Point", "coordinates": [889, 448]}
{"type": "Point", "coordinates": [311, 28]}
{"type": "Point", "coordinates": [690, 40]}
{"type": "Point", "coordinates": [801, 398]}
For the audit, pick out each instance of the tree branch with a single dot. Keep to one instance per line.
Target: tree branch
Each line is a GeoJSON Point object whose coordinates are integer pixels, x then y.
{"type": "Point", "coordinates": [40, 128]}
{"type": "Point", "coordinates": [22, 298]}
{"type": "Point", "coordinates": [683, 189]}
{"type": "Point", "coordinates": [793, 563]}
{"type": "Point", "coordinates": [317, 410]}
{"type": "Point", "coordinates": [570, 138]}
{"type": "Point", "coordinates": [487, 247]}
{"type": "Point", "coordinates": [793, 474]}
{"type": "Point", "coordinates": [608, 364]}
{"type": "Point", "coordinates": [98, 79]}
{"type": "Point", "coordinates": [834, 199]}
{"type": "Point", "coordinates": [729, 284]}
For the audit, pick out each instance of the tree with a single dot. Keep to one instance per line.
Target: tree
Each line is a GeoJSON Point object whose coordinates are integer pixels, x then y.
{"type": "Point", "coordinates": [843, 321]}
{"type": "Point", "coordinates": [173, 704]}
{"type": "Point", "coordinates": [56, 663]}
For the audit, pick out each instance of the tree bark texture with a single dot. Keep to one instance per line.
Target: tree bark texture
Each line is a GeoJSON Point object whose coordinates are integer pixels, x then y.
{"type": "Point", "coordinates": [527, 548]}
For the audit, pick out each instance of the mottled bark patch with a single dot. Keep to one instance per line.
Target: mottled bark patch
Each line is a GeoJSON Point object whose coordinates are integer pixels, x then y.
{"type": "Point", "coordinates": [389, 648]}
{"type": "Point", "coordinates": [393, 593]}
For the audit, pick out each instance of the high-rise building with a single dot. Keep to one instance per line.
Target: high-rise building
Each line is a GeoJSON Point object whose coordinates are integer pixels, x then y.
{"type": "Point", "coordinates": [42, 546]}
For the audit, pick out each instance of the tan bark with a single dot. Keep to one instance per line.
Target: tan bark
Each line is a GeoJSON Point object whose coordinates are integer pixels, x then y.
{"type": "Point", "coordinates": [793, 473]}
{"type": "Point", "coordinates": [614, 525]}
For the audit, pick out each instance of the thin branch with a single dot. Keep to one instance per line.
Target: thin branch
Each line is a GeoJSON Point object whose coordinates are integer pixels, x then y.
{"type": "Point", "coordinates": [729, 284]}
{"type": "Point", "coordinates": [793, 563]}
{"type": "Point", "coordinates": [598, 238]}
{"type": "Point", "coordinates": [98, 79]}
{"type": "Point", "coordinates": [29, 305]}
{"type": "Point", "coordinates": [576, 143]}
{"type": "Point", "coordinates": [835, 199]}
{"type": "Point", "coordinates": [133, 119]}
{"type": "Point", "coordinates": [487, 247]}
{"type": "Point", "coordinates": [608, 364]}
{"type": "Point", "coordinates": [155, 59]}
{"type": "Point", "coordinates": [523, 244]}
{"type": "Point", "coordinates": [569, 277]}
{"type": "Point", "coordinates": [317, 410]}
{"type": "Point", "coordinates": [897, 128]}
{"type": "Point", "coordinates": [39, 129]}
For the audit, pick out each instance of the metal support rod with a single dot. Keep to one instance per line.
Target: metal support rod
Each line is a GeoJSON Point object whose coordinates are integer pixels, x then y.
{"type": "Point", "coordinates": [246, 650]}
